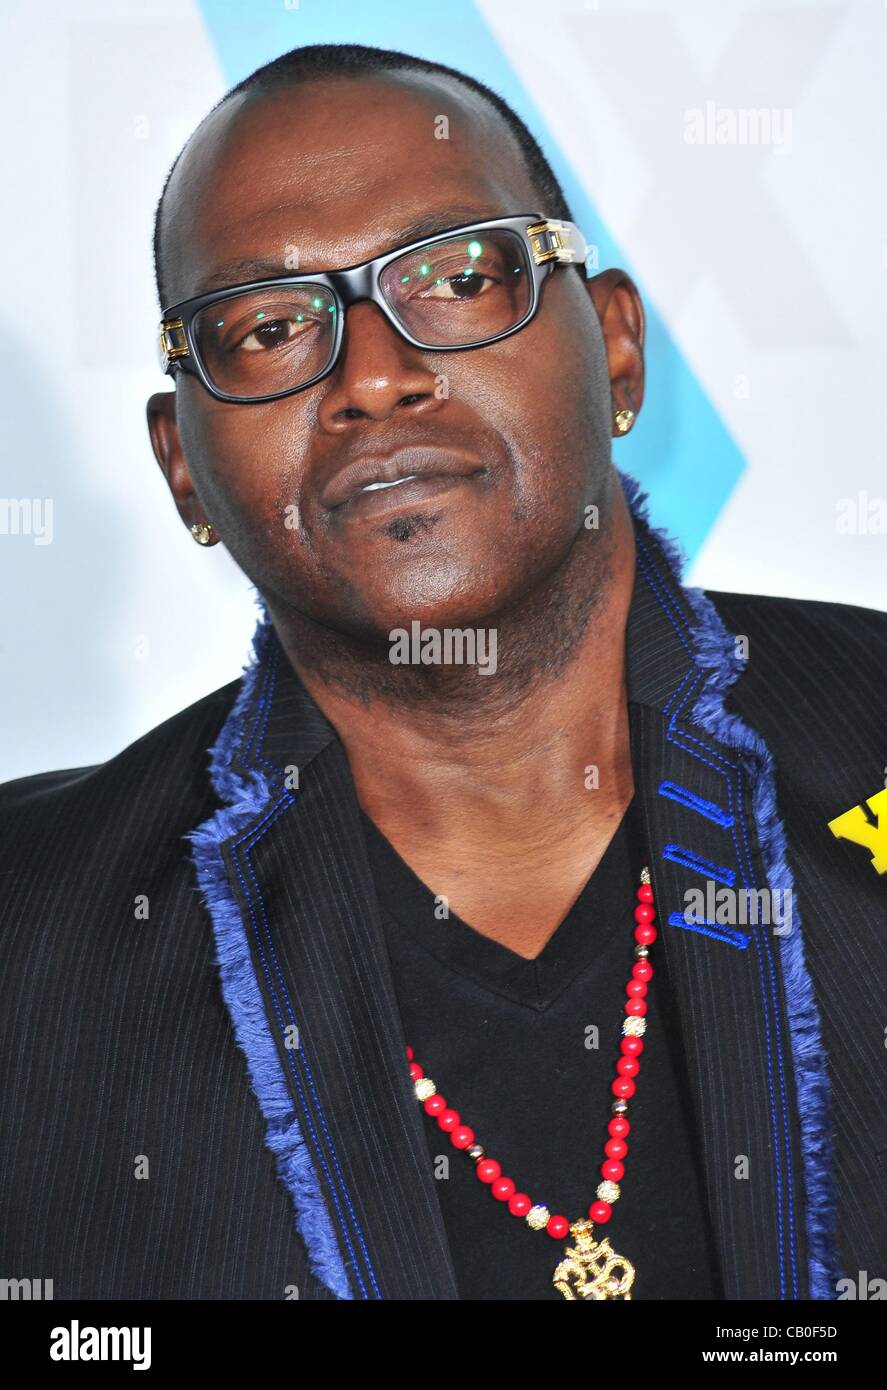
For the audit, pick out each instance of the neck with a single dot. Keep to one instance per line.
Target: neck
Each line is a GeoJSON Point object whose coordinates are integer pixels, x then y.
{"type": "Point", "coordinates": [510, 754]}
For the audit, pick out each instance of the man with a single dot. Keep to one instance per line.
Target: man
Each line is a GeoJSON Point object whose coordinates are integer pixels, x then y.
{"type": "Point", "coordinates": [479, 706]}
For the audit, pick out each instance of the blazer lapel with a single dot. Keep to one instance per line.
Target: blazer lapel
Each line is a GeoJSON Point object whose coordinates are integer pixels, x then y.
{"type": "Point", "coordinates": [304, 969]}
{"type": "Point", "coordinates": [305, 976]}
{"type": "Point", "coordinates": [749, 1023]}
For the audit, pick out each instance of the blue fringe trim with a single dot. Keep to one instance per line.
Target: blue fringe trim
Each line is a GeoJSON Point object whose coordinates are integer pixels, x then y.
{"type": "Point", "coordinates": [716, 651]}
{"type": "Point", "coordinates": [247, 797]}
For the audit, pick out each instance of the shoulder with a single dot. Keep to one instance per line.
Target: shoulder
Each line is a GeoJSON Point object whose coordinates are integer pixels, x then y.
{"type": "Point", "coordinates": [825, 637]}
{"type": "Point", "coordinates": [812, 613]}
{"type": "Point", "coordinates": [812, 677]}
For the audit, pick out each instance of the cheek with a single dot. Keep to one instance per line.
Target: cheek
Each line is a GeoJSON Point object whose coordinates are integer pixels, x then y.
{"type": "Point", "coordinates": [554, 462]}
{"type": "Point", "coordinates": [542, 393]}
{"type": "Point", "coordinates": [565, 387]}
{"type": "Point", "coordinates": [246, 467]}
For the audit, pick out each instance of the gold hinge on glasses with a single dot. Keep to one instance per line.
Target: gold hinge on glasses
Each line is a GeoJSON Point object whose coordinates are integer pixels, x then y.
{"type": "Point", "coordinates": [173, 342]}
{"type": "Point", "coordinates": [559, 245]}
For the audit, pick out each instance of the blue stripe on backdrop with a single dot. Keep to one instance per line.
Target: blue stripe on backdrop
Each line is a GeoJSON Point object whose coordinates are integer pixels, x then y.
{"type": "Point", "coordinates": [681, 451]}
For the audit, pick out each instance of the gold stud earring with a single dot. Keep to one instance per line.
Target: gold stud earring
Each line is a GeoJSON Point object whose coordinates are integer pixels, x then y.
{"type": "Point", "coordinates": [203, 532]}
{"type": "Point", "coordinates": [623, 421]}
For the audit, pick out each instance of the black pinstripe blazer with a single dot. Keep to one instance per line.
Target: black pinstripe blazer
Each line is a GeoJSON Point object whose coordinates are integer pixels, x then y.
{"type": "Point", "coordinates": [203, 1086]}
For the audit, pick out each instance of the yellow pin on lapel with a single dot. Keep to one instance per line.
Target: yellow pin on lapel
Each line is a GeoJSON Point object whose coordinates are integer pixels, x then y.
{"type": "Point", "coordinates": [854, 825]}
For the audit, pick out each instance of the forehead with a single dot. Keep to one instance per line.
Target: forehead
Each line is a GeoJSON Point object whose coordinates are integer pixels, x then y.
{"type": "Point", "coordinates": [324, 176]}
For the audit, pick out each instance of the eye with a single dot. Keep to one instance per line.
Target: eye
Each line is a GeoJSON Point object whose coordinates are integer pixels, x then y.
{"type": "Point", "coordinates": [466, 285]}
{"type": "Point", "coordinates": [273, 333]}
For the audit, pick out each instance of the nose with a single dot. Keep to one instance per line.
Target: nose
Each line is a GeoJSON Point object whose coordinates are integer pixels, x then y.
{"type": "Point", "coordinates": [378, 371]}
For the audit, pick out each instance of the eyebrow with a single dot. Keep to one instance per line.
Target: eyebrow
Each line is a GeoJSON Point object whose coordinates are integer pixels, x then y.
{"type": "Point", "coordinates": [245, 269]}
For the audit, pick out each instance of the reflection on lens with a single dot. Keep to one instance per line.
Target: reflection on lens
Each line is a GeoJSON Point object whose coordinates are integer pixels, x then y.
{"type": "Point", "coordinates": [265, 341]}
{"type": "Point", "coordinates": [462, 290]}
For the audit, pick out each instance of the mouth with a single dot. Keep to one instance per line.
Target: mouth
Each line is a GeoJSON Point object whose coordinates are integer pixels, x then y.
{"type": "Point", "coordinates": [375, 482]}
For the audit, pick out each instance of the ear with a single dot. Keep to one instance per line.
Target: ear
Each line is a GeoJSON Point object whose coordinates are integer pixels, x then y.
{"type": "Point", "coordinates": [164, 431]}
{"type": "Point", "coordinates": [621, 313]}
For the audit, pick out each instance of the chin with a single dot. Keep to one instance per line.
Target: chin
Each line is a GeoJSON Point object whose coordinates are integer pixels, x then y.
{"type": "Point", "coordinates": [461, 608]}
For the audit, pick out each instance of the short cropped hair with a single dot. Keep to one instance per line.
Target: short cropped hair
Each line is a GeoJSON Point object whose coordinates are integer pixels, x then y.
{"type": "Point", "coordinates": [356, 60]}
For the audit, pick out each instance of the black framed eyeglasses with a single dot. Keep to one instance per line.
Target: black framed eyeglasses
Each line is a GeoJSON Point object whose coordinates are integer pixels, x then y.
{"type": "Point", "coordinates": [465, 287]}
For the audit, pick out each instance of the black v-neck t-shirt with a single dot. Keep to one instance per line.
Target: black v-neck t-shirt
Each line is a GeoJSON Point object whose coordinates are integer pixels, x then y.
{"type": "Point", "coordinates": [525, 1051]}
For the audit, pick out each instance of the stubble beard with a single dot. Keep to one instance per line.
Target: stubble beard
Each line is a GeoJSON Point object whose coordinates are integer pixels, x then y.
{"type": "Point", "coordinates": [536, 637]}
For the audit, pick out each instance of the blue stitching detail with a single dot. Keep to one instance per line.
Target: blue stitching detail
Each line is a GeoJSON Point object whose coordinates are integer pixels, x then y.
{"type": "Point", "coordinates": [696, 803]}
{"type": "Point", "coordinates": [719, 872]}
{"type": "Point", "coordinates": [730, 935]}
{"type": "Point", "coordinates": [666, 602]}
{"type": "Point", "coordinates": [264, 709]}
{"type": "Point", "coordinates": [691, 673]}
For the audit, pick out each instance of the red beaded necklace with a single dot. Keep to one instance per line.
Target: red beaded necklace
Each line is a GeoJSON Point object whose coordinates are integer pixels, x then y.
{"type": "Point", "coordinates": [590, 1268]}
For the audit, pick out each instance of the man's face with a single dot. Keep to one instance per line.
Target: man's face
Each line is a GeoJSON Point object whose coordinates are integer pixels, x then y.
{"type": "Point", "coordinates": [337, 170]}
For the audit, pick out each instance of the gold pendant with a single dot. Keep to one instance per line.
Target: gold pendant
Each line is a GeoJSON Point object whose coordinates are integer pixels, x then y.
{"type": "Point", "coordinates": [586, 1271]}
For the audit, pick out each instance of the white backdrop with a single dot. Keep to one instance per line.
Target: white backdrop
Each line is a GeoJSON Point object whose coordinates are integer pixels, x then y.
{"type": "Point", "coordinates": [731, 156]}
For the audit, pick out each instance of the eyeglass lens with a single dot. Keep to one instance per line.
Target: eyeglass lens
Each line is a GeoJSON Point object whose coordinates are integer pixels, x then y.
{"type": "Point", "coordinates": [450, 293]}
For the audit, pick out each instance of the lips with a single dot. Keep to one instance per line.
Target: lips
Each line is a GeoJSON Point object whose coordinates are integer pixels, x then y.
{"type": "Point", "coordinates": [386, 473]}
